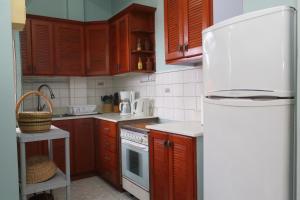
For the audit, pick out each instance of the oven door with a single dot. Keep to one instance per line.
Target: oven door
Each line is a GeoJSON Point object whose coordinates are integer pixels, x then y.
{"type": "Point", "coordinates": [135, 163]}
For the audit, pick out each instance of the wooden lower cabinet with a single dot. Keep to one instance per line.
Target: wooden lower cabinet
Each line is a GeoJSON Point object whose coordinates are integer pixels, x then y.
{"type": "Point", "coordinates": [107, 152]}
{"type": "Point", "coordinates": [172, 166]}
{"type": "Point", "coordinates": [82, 147]}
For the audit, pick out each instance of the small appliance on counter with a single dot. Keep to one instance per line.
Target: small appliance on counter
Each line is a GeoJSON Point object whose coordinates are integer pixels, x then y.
{"type": "Point", "coordinates": [142, 107]}
{"type": "Point", "coordinates": [126, 99]}
{"type": "Point", "coordinates": [135, 158]}
{"type": "Point", "coordinates": [82, 109]}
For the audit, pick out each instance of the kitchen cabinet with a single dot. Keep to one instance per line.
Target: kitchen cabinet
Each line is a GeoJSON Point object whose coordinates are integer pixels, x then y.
{"type": "Point", "coordinates": [84, 143]}
{"type": "Point", "coordinates": [120, 46]}
{"type": "Point", "coordinates": [69, 49]}
{"type": "Point", "coordinates": [107, 152]}
{"type": "Point", "coordinates": [184, 22]}
{"type": "Point", "coordinates": [133, 25]}
{"type": "Point", "coordinates": [25, 48]}
{"type": "Point", "coordinates": [82, 148]}
{"type": "Point", "coordinates": [59, 146]}
{"type": "Point", "coordinates": [42, 47]}
{"type": "Point", "coordinates": [172, 166]}
{"type": "Point", "coordinates": [97, 48]}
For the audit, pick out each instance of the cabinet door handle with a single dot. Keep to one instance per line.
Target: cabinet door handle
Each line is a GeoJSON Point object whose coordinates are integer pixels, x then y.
{"type": "Point", "coordinates": [106, 129]}
{"type": "Point", "coordinates": [180, 47]}
{"type": "Point", "coordinates": [186, 47]}
{"type": "Point", "coordinates": [107, 158]}
{"type": "Point", "coordinates": [168, 144]}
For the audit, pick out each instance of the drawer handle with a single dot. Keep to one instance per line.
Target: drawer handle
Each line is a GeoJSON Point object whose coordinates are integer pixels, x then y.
{"type": "Point", "coordinates": [106, 129]}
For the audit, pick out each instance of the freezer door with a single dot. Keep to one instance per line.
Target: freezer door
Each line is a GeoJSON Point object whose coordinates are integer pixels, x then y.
{"type": "Point", "coordinates": [247, 149]}
{"type": "Point", "coordinates": [251, 55]}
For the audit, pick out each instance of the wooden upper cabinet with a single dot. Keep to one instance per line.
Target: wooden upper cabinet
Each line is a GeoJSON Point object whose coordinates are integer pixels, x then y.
{"type": "Point", "coordinates": [42, 47]}
{"type": "Point", "coordinates": [159, 166]}
{"type": "Point", "coordinates": [183, 28]}
{"type": "Point", "coordinates": [97, 49]}
{"type": "Point", "coordinates": [182, 162]}
{"type": "Point", "coordinates": [69, 49]}
{"type": "Point", "coordinates": [113, 48]}
{"type": "Point", "coordinates": [123, 42]}
{"type": "Point", "coordinates": [173, 29]}
{"type": "Point", "coordinates": [25, 42]}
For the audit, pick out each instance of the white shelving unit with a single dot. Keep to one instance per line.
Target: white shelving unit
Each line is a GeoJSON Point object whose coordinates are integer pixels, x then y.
{"type": "Point", "coordinates": [60, 179]}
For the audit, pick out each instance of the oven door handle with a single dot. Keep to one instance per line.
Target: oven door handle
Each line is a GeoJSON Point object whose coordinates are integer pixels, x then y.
{"type": "Point", "coordinates": [135, 145]}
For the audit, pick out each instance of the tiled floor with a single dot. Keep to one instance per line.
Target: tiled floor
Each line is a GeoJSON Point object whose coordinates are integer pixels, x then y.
{"type": "Point", "coordinates": [92, 188]}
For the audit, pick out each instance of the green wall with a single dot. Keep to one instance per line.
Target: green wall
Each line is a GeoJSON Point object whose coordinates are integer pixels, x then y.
{"type": "Point", "coordinates": [251, 5]}
{"type": "Point", "coordinates": [97, 10]}
{"type": "Point", "coordinates": [81, 10]}
{"type": "Point", "coordinates": [8, 148]}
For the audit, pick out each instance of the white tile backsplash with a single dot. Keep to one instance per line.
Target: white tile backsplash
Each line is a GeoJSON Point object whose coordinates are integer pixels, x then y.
{"type": "Point", "coordinates": [177, 95]}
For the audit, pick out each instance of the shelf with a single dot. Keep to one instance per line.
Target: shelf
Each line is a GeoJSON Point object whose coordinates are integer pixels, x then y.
{"type": "Point", "coordinates": [58, 181]}
{"type": "Point", "coordinates": [142, 31]}
{"type": "Point", "coordinates": [53, 133]}
{"type": "Point", "coordinates": [142, 52]}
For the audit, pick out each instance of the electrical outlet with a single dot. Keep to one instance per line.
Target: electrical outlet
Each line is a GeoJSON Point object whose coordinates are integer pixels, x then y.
{"type": "Point", "coordinates": [167, 90]}
{"type": "Point", "coordinates": [100, 83]}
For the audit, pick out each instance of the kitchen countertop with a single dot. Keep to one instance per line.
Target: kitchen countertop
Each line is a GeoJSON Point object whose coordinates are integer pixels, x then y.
{"type": "Point", "coordinates": [191, 129]}
{"type": "Point", "coordinates": [113, 117]}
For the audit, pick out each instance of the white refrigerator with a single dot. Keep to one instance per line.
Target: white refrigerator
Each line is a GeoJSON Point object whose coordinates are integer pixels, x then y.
{"type": "Point", "coordinates": [249, 67]}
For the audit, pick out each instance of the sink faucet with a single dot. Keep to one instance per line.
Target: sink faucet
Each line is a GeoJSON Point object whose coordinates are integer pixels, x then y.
{"type": "Point", "coordinates": [39, 106]}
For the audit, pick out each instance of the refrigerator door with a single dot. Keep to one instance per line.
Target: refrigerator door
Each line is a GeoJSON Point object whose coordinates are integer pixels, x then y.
{"type": "Point", "coordinates": [251, 55]}
{"type": "Point", "coordinates": [248, 149]}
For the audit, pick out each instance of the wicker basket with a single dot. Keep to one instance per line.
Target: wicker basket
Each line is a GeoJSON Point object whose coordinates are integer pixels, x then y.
{"type": "Point", "coordinates": [42, 196]}
{"type": "Point", "coordinates": [39, 169]}
{"type": "Point", "coordinates": [34, 122]}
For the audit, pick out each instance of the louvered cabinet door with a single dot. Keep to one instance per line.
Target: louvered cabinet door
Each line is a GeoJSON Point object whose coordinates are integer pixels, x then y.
{"type": "Point", "coordinates": [84, 146]}
{"type": "Point", "coordinates": [182, 162]}
{"type": "Point", "coordinates": [69, 49]}
{"type": "Point", "coordinates": [173, 29]}
{"type": "Point", "coordinates": [123, 44]}
{"type": "Point", "coordinates": [197, 17]}
{"type": "Point", "coordinates": [25, 42]}
{"type": "Point", "coordinates": [113, 48]}
{"type": "Point", "coordinates": [42, 47]}
{"type": "Point", "coordinates": [159, 166]}
{"type": "Point", "coordinates": [97, 49]}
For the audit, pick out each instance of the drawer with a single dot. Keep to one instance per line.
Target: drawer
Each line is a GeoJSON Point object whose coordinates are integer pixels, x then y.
{"type": "Point", "coordinates": [109, 144]}
{"type": "Point", "coordinates": [108, 128]}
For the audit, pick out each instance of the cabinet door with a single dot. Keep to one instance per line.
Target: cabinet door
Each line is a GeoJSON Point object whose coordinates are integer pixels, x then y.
{"type": "Point", "coordinates": [42, 47]}
{"type": "Point", "coordinates": [113, 48]}
{"type": "Point", "coordinates": [173, 29]}
{"type": "Point", "coordinates": [84, 145]}
{"type": "Point", "coordinates": [159, 166]}
{"type": "Point", "coordinates": [123, 44]}
{"type": "Point", "coordinates": [197, 16]}
{"type": "Point", "coordinates": [69, 49]}
{"type": "Point", "coordinates": [97, 49]}
{"type": "Point", "coordinates": [59, 146]}
{"type": "Point", "coordinates": [26, 57]}
{"type": "Point", "coordinates": [182, 162]}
